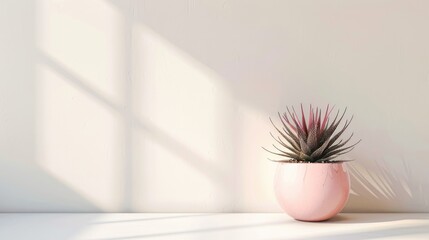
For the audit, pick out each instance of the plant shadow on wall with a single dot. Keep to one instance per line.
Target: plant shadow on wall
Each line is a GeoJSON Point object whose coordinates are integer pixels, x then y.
{"type": "Point", "coordinates": [387, 181]}
{"type": "Point", "coordinates": [378, 187]}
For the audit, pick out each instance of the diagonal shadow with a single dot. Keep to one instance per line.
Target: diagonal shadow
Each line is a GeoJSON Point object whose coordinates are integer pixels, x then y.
{"type": "Point", "coordinates": [229, 121]}
{"type": "Point", "coordinates": [191, 157]}
{"type": "Point", "coordinates": [205, 230]}
{"type": "Point", "coordinates": [156, 219]}
{"type": "Point", "coordinates": [25, 186]}
{"type": "Point", "coordinates": [217, 43]}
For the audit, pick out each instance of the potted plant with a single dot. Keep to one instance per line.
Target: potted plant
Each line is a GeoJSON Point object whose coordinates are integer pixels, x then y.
{"type": "Point", "coordinates": [311, 182]}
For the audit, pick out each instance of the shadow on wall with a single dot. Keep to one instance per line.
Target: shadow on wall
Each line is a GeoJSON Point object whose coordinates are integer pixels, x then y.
{"type": "Point", "coordinates": [244, 48]}
{"type": "Point", "coordinates": [135, 124]}
{"type": "Point", "coordinates": [389, 171]}
{"type": "Point", "coordinates": [227, 47]}
{"type": "Point", "coordinates": [376, 187]}
{"type": "Point", "coordinates": [24, 186]}
{"type": "Point", "coordinates": [386, 182]}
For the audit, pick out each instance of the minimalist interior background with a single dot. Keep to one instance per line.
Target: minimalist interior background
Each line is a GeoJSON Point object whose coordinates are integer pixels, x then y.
{"type": "Point", "coordinates": [163, 106]}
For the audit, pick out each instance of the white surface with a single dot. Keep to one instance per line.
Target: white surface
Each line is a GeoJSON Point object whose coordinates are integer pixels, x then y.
{"type": "Point", "coordinates": [163, 105]}
{"type": "Point", "coordinates": [210, 226]}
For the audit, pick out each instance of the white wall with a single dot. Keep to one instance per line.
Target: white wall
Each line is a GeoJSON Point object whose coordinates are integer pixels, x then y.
{"type": "Point", "coordinates": [162, 106]}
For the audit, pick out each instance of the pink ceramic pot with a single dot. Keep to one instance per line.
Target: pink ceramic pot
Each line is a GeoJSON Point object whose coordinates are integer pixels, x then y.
{"type": "Point", "coordinates": [312, 191]}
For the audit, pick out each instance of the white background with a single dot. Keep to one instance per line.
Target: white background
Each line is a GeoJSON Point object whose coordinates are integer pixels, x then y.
{"type": "Point", "coordinates": [163, 106]}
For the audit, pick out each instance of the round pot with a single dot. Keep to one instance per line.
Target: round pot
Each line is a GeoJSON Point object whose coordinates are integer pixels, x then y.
{"type": "Point", "coordinates": [312, 191]}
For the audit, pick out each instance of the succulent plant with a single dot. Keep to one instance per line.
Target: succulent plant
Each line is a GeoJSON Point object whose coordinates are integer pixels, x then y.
{"type": "Point", "coordinates": [314, 139]}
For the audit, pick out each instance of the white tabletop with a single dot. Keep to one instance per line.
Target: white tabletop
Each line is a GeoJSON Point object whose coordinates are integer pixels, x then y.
{"type": "Point", "coordinates": [120, 226]}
